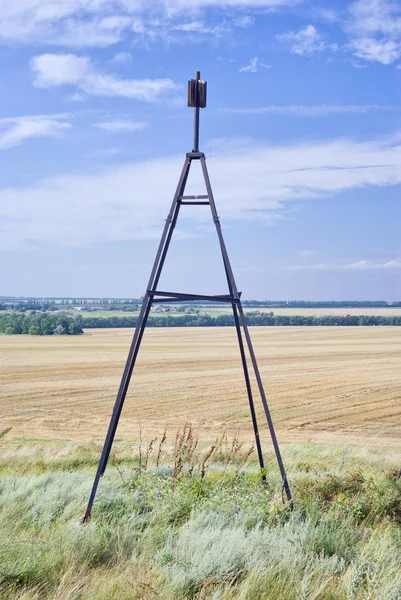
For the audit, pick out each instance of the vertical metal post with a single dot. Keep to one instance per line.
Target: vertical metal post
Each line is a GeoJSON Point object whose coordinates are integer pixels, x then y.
{"type": "Point", "coordinates": [196, 116]}
{"type": "Point", "coordinates": [249, 391]}
{"type": "Point", "coordinates": [246, 376]}
{"type": "Point", "coordinates": [265, 406]}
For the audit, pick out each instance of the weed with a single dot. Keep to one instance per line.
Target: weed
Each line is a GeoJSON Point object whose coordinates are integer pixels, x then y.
{"type": "Point", "coordinates": [200, 525]}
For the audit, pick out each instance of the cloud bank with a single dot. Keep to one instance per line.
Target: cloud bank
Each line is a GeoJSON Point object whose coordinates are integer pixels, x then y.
{"type": "Point", "coordinates": [100, 23]}
{"type": "Point", "coordinates": [54, 70]}
{"type": "Point", "coordinates": [317, 110]}
{"type": "Point", "coordinates": [305, 41]}
{"type": "Point", "coordinates": [360, 265]}
{"type": "Point", "coordinates": [122, 125]}
{"type": "Point", "coordinates": [374, 28]}
{"type": "Point", "coordinates": [130, 201]}
{"type": "Point", "coordinates": [15, 130]}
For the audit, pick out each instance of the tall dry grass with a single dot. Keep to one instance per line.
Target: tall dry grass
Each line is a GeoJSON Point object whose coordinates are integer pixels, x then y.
{"type": "Point", "coordinates": [181, 520]}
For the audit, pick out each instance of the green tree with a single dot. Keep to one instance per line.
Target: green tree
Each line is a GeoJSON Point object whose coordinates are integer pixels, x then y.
{"type": "Point", "coordinates": [59, 330]}
{"type": "Point", "coordinates": [75, 328]}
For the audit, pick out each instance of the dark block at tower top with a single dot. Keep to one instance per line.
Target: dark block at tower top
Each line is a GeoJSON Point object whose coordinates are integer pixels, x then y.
{"type": "Point", "coordinates": [196, 100]}
{"type": "Point", "coordinates": [197, 89]}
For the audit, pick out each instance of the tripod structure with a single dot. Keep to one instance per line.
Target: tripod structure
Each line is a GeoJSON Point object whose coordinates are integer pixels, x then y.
{"type": "Point", "coordinates": [196, 99]}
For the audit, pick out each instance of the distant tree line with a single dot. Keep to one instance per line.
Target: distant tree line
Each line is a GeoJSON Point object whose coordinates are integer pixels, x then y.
{"type": "Point", "coordinates": [39, 324]}
{"type": "Point", "coordinates": [53, 324]}
{"type": "Point", "coordinates": [252, 319]}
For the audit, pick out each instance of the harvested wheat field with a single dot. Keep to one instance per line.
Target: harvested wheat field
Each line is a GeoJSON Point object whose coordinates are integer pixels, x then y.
{"type": "Point", "coordinates": [325, 384]}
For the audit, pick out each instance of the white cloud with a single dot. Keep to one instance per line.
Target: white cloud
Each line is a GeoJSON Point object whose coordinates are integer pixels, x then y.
{"type": "Point", "coordinates": [329, 15]}
{"type": "Point", "coordinates": [53, 70]}
{"type": "Point", "coordinates": [201, 27]}
{"type": "Point", "coordinates": [138, 26]}
{"type": "Point", "coordinates": [358, 64]}
{"type": "Point", "coordinates": [121, 125]}
{"type": "Point", "coordinates": [121, 58]}
{"type": "Point", "coordinates": [77, 97]}
{"type": "Point", "coordinates": [318, 110]}
{"type": "Point", "coordinates": [244, 21]}
{"type": "Point", "coordinates": [75, 23]}
{"type": "Point", "coordinates": [15, 130]}
{"type": "Point", "coordinates": [130, 201]}
{"type": "Point", "coordinates": [374, 29]}
{"type": "Point", "coordinates": [98, 32]}
{"type": "Point", "coordinates": [305, 41]}
{"type": "Point", "coordinates": [368, 265]}
{"type": "Point", "coordinates": [191, 26]}
{"type": "Point", "coordinates": [372, 17]}
{"type": "Point", "coordinates": [182, 5]}
{"type": "Point", "coordinates": [60, 69]}
{"type": "Point", "coordinates": [83, 23]}
{"type": "Point", "coordinates": [105, 152]}
{"type": "Point", "coordinates": [254, 66]}
{"type": "Point", "coordinates": [307, 253]}
{"type": "Point", "coordinates": [392, 264]}
{"type": "Point", "coordinates": [384, 52]}
{"type": "Point", "coordinates": [360, 265]}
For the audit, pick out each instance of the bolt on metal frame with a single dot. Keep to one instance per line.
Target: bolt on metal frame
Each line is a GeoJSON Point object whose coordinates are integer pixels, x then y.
{"type": "Point", "coordinates": [196, 99]}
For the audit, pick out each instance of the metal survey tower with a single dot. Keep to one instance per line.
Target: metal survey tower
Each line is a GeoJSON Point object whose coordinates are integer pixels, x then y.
{"type": "Point", "coordinates": [196, 100]}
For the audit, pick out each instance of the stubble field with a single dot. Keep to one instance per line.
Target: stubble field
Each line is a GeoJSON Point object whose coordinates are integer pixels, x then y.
{"type": "Point", "coordinates": [324, 385]}
{"type": "Point", "coordinates": [195, 522]}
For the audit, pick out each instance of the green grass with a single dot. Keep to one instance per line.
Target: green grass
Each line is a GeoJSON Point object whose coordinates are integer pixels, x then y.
{"type": "Point", "coordinates": [199, 527]}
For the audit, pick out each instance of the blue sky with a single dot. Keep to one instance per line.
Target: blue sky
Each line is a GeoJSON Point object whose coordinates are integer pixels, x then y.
{"type": "Point", "coordinates": [302, 133]}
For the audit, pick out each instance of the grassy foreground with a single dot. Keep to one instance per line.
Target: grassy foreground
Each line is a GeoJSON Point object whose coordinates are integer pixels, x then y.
{"type": "Point", "coordinates": [179, 521]}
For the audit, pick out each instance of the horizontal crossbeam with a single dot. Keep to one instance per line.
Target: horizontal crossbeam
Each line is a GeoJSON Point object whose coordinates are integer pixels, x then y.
{"type": "Point", "coordinates": [186, 299]}
{"type": "Point", "coordinates": [195, 155]}
{"type": "Point", "coordinates": [194, 200]}
{"type": "Point", "coordinates": [178, 297]}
